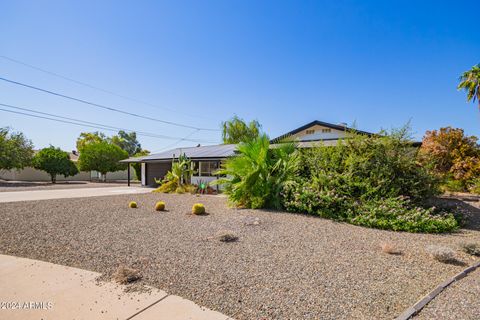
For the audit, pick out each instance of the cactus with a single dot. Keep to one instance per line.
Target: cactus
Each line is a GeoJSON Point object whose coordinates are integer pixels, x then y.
{"type": "Point", "coordinates": [160, 206]}
{"type": "Point", "coordinates": [198, 208]}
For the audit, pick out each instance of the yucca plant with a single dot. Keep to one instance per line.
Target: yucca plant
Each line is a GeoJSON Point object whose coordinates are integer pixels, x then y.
{"type": "Point", "coordinates": [255, 177]}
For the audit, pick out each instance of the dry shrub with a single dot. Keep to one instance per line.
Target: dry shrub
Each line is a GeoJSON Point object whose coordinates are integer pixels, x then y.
{"type": "Point", "coordinates": [125, 275]}
{"type": "Point", "coordinates": [442, 254]}
{"type": "Point", "coordinates": [390, 248]}
{"type": "Point", "coordinates": [227, 236]}
{"type": "Point", "coordinates": [471, 248]}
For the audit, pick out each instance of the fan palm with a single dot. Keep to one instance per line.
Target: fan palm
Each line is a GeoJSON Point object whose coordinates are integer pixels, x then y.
{"type": "Point", "coordinates": [255, 177]}
{"type": "Point", "coordinates": [470, 82]}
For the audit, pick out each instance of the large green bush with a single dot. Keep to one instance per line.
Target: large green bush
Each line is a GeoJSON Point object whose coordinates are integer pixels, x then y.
{"type": "Point", "coordinates": [102, 157]}
{"type": "Point", "coordinates": [372, 167]}
{"type": "Point", "coordinates": [54, 161]}
{"type": "Point", "coordinates": [373, 181]}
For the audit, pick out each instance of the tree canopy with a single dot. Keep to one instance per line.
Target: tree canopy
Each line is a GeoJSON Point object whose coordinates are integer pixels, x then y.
{"type": "Point", "coordinates": [451, 154]}
{"type": "Point", "coordinates": [236, 130]}
{"type": "Point", "coordinates": [16, 151]}
{"type": "Point", "coordinates": [90, 137]}
{"type": "Point", "coordinates": [54, 162]}
{"type": "Point", "coordinates": [470, 82]}
{"type": "Point", "coordinates": [102, 157]}
{"type": "Point", "coordinates": [128, 142]}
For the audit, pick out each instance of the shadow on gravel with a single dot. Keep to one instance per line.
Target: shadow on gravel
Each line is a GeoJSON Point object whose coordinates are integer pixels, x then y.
{"type": "Point", "coordinates": [468, 207]}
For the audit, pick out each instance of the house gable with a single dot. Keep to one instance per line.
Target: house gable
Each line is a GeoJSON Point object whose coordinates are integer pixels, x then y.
{"type": "Point", "coordinates": [318, 131]}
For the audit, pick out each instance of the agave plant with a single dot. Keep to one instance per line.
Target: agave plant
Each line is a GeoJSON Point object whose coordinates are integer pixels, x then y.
{"type": "Point", "coordinates": [181, 171]}
{"type": "Point", "coordinates": [255, 177]}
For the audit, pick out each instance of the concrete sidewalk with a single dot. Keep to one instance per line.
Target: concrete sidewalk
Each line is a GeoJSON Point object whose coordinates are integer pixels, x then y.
{"type": "Point", "coordinates": [32, 290]}
{"type": "Point", "coordinates": [14, 196]}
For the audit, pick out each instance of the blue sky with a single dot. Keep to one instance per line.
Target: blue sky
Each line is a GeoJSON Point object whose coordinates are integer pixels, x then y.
{"type": "Point", "coordinates": [284, 63]}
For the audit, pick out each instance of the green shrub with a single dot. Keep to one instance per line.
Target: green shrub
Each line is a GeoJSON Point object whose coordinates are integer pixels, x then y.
{"type": "Point", "coordinates": [198, 208]}
{"type": "Point", "coordinates": [376, 167]}
{"type": "Point", "coordinates": [132, 204]}
{"type": "Point", "coordinates": [255, 177]}
{"type": "Point", "coordinates": [474, 186]}
{"type": "Point", "coordinates": [398, 214]}
{"type": "Point", "coordinates": [160, 206]}
{"type": "Point", "coordinates": [369, 181]}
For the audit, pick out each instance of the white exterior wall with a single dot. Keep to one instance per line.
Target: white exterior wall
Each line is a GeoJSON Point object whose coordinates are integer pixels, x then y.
{"type": "Point", "coordinates": [32, 174]}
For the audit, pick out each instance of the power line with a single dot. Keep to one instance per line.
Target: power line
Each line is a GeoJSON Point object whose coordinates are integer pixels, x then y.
{"type": "Point", "coordinates": [176, 142]}
{"type": "Point", "coordinates": [95, 87]}
{"type": "Point", "coordinates": [104, 107]}
{"type": "Point", "coordinates": [90, 124]}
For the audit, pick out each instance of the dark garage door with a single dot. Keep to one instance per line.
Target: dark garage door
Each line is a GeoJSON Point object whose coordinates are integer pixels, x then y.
{"type": "Point", "coordinates": [156, 170]}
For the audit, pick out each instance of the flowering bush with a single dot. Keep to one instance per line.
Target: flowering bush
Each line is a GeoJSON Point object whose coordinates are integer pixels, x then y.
{"type": "Point", "coordinates": [368, 181]}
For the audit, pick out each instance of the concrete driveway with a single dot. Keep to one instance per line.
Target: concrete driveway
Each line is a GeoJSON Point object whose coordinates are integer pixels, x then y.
{"type": "Point", "coordinates": [32, 290]}
{"type": "Point", "coordinates": [14, 196]}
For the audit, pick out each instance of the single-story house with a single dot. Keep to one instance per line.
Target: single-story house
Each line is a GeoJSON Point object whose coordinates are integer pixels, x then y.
{"type": "Point", "coordinates": [32, 174]}
{"type": "Point", "coordinates": [207, 159]}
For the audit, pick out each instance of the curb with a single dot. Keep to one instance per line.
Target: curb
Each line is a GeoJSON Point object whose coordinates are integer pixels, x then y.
{"type": "Point", "coordinates": [413, 310]}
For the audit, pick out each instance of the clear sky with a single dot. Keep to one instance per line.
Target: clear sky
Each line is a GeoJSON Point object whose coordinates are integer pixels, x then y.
{"type": "Point", "coordinates": [284, 63]}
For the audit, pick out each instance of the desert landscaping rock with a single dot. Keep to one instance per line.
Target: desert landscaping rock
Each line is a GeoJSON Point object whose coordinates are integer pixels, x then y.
{"type": "Point", "coordinates": [290, 266]}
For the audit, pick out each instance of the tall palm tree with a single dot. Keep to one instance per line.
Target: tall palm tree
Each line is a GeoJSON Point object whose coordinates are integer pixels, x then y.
{"type": "Point", "coordinates": [470, 82]}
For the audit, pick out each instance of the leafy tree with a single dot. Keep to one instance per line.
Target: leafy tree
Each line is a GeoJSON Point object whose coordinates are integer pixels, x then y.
{"type": "Point", "coordinates": [450, 154]}
{"type": "Point", "coordinates": [236, 130]}
{"type": "Point", "coordinates": [138, 166]}
{"type": "Point", "coordinates": [470, 82]}
{"type": "Point", "coordinates": [90, 137]}
{"type": "Point", "coordinates": [127, 141]}
{"type": "Point", "coordinates": [102, 157]}
{"type": "Point", "coordinates": [54, 161]}
{"type": "Point", "coordinates": [256, 176]}
{"type": "Point", "coordinates": [16, 151]}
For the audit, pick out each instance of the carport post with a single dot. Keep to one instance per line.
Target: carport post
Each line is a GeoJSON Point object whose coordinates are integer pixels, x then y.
{"type": "Point", "coordinates": [128, 174]}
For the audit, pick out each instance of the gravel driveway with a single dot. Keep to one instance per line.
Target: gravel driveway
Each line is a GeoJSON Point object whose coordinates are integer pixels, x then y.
{"type": "Point", "coordinates": [284, 266]}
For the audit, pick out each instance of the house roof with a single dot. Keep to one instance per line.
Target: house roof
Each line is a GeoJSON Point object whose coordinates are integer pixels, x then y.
{"type": "Point", "coordinates": [201, 152]}
{"type": "Point", "coordinates": [320, 123]}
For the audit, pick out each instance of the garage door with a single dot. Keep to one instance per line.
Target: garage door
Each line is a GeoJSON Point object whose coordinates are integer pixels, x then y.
{"type": "Point", "coordinates": [156, 170]}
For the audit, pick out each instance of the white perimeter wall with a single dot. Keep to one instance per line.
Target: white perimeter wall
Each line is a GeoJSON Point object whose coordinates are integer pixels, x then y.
{"type": "Point", "coordinates": [32, 174]}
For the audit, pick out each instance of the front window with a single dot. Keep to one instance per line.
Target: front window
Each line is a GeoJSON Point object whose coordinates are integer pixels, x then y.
{"type": "Point", "coordinates": [206, 168]}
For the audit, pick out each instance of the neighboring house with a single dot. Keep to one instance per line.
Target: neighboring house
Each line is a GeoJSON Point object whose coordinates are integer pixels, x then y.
{"type": "Point", "coordinates": [207, 159]}
{"type": "Point", "coordinates": [32, 174]}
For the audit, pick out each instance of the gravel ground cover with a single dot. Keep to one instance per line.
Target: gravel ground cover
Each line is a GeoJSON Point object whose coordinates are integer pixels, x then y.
{"type": "Point", "coordinates": [283, 266]}
{"type": "Point", "coordinates": [7, 186]}
{"type": "Point", "coordinates": [459, 301]}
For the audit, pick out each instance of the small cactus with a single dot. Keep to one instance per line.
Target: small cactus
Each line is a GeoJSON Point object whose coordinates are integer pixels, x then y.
{"type": "Point", "coordinates": [198, 208]}
{"type": "Point", "coordinates": [132, 204]}
{"type": "Point", "coordinates": [160, 206]}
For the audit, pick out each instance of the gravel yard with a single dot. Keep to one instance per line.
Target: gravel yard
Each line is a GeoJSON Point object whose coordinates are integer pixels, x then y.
{"type": "Point", "coordinates": [459, 301]}
{"type": "Point", "coordinates": [284, 266]}
{"type": "Point", "coordinates": [7, 186]}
